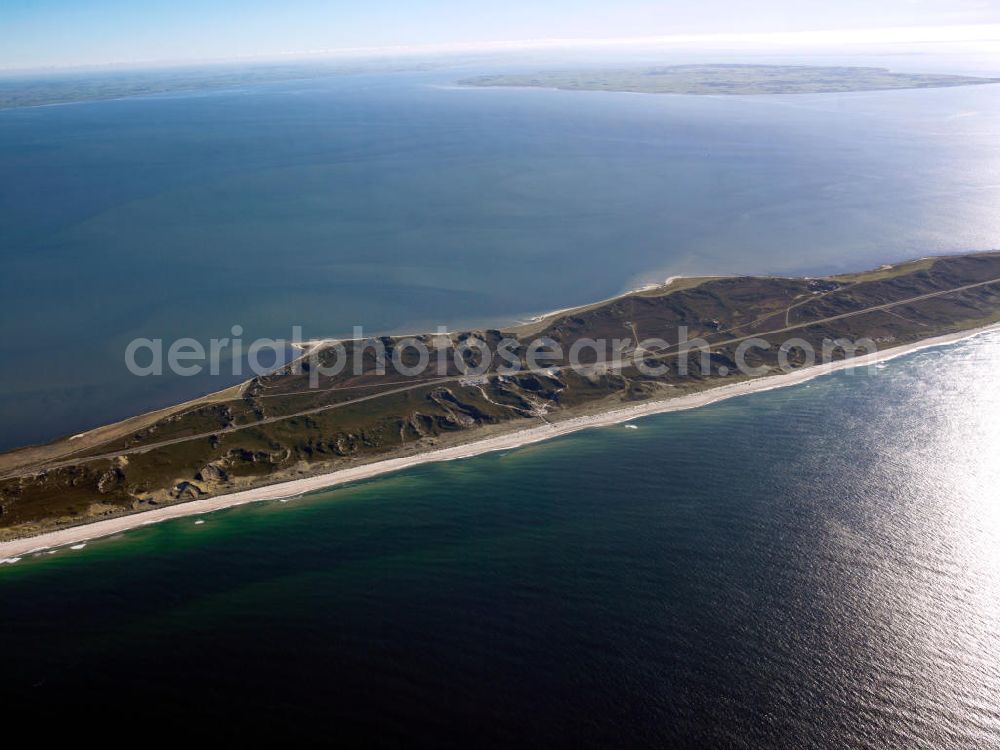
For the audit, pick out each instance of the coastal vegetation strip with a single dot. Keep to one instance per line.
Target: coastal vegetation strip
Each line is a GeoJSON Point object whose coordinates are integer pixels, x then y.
{"type": "Point", "coordinates": [297, 422]}
{"type": "Point", "coordinates": [12, 550]}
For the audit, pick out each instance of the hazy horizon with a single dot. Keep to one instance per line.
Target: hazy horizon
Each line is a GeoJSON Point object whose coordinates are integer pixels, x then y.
{"type": "Point", "coordinates": [59, 34]}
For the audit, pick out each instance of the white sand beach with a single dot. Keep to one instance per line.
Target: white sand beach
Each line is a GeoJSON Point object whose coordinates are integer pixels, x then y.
{"type": "Point", "coordinates": [13, 550]}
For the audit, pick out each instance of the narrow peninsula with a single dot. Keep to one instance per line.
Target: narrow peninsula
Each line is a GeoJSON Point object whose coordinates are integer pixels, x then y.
{"type": "Point", "coordinates": [292, 430]}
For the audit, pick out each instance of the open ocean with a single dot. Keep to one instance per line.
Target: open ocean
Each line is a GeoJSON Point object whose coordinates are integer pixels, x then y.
{"type": "Point", "coordinates": [400, 203]}
{"type": "Point", "coordinates": [810, 567]}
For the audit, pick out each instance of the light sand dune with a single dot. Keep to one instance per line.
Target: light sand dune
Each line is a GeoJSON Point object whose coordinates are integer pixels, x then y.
{"type": "Point", "coordinates": [15, 549]}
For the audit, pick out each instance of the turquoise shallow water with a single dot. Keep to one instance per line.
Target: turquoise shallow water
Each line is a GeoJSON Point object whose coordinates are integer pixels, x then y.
{"type": "Point", "coordinates": [812, 567]}
{"type": "Point", "coordinates": [396, 202]}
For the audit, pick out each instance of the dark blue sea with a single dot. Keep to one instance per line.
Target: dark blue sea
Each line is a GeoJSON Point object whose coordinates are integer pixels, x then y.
{"type": "Point", "coordinates": [810, 567]}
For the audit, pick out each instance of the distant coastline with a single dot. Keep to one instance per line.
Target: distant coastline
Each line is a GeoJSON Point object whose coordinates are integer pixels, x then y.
{"type": "Point", "coordinates": [21, 91]}
{"type": "Point", "coordinates": [727, 79]}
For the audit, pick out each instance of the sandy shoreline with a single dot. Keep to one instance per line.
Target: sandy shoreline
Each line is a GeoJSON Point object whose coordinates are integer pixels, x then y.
{"type": "Point", "coordinates": [13, 550]}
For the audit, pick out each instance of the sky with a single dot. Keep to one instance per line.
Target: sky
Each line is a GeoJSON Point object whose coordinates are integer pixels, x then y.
{"type": "Point", "coordinates": [66, 33]}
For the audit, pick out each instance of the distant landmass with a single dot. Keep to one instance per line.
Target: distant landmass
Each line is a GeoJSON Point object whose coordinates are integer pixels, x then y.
{"type": "Point", "coordinates": [64, 88]}
{"type": "Point", "coordinates": [729, 79]}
